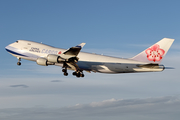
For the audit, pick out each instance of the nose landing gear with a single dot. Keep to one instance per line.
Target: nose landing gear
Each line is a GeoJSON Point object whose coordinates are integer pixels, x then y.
{"type": "Point", "coordinates": [19, 63]}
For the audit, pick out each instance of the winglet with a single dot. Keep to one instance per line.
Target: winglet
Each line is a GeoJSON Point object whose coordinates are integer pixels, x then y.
{"type": "Point", "coordinates": [80, 45]}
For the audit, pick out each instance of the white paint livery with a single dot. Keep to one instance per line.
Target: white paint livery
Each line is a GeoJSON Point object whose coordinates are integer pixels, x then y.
{"type": "Point", "coordinates": [147, 61]}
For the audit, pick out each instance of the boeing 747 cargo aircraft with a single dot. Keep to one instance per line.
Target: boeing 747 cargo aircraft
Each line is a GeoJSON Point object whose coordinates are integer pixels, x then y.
{"type": "Point", "coordinates": [147, 61]}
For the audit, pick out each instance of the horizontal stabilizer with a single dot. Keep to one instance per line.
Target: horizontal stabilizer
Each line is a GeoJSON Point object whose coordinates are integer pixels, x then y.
{"type": "Point", "coordinates": [152, 66]}
{"type": "Point", "coordinates": [169, 68]}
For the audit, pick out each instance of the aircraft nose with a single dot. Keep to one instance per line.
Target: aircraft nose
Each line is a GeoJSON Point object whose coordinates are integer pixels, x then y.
{"type": "Point", "coordinates": [7, 48]}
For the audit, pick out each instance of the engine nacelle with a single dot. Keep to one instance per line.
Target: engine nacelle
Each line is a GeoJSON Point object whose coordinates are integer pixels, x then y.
{"type": "Point", "coordinates": [42, 61]}
{"type": "Point", "coordinates": [54, 58]}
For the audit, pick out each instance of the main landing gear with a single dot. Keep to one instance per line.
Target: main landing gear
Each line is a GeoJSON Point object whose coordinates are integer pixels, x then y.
{"type": "Point", "coordinates": [19, 63]}
{"type": "Point", "coordinates": [65, 69]}
{"type": "Point", "coordinates": [65, 72]}
{"type": "Point", "coordinates": [78, 74]}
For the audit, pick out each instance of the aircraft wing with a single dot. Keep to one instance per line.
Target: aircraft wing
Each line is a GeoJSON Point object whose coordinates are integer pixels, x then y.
{"type": "Point", "coordinates": [71, 56]}
{"type": "Point", "coordinates": [74, 51]}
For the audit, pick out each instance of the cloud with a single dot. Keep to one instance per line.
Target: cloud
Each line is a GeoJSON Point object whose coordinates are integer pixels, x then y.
{"type": "Point", "coordinates": [150, 108]}
{"type": "Point", "coordinates": [56, 81]}
{"type": "Point", "coordinates": [21, 85]}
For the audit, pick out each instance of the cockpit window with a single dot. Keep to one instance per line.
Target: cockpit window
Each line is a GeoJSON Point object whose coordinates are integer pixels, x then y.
{"type": "Point", "coordinates": [17, 41]}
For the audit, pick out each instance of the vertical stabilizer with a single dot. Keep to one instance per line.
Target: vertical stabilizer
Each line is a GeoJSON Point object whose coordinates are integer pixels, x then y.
{"type": "Point", "coordinates": [156, 52]}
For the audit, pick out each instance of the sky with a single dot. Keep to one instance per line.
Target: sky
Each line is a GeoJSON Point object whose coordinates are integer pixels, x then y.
{"type": "Point", "coordinates": [121, 28]}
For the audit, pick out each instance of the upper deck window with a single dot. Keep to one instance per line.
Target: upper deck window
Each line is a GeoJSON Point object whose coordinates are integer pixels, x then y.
{"type": "Point", "coordinates": [29, 43]}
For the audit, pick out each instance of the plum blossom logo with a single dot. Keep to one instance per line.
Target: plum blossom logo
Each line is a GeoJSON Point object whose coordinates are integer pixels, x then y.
{"type": "Point", "coordinates": [155, 53]}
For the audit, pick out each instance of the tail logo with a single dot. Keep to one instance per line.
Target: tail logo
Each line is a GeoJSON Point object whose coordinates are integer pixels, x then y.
{"type": "Point", "coordinates": [155, 53]}
{"type": "Point", "coordinates": [59, 52]}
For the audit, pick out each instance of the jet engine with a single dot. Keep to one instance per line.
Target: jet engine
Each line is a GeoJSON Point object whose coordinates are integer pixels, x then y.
{"type": "Point", "coordinates": [54, 58]}
{"type": "Point", "coordinates": [42, 61]}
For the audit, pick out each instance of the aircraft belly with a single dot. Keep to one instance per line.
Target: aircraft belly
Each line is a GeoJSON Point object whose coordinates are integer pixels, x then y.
{"type": "Point", "coordinates": [106, 67]}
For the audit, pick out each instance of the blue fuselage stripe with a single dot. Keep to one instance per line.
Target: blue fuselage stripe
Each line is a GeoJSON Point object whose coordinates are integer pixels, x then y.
{"type": "Point", "coordinates": [15, 53]}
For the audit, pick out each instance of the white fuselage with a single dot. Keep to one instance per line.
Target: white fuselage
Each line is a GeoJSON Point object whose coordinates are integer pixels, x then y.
{"type": "Point", "coordinates": [90, 62]}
